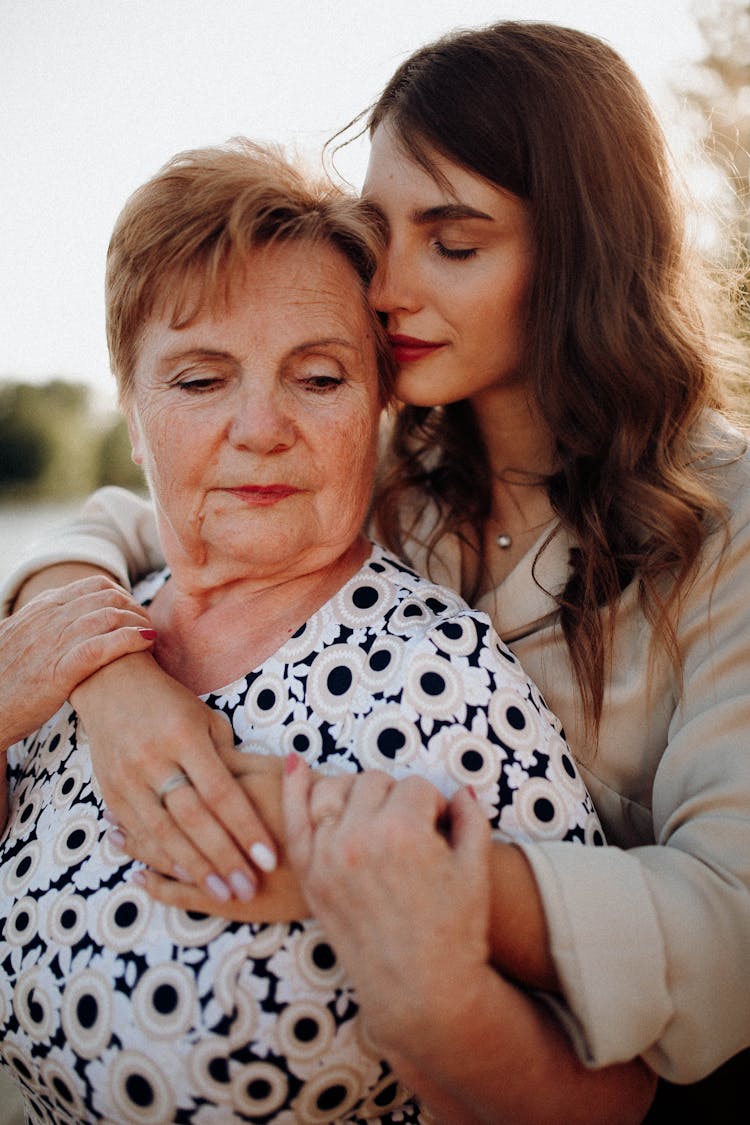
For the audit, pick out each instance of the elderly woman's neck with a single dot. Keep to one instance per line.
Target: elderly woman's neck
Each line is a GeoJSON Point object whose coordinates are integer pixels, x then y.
{"type": "Point", "coordinates": [212, 634]}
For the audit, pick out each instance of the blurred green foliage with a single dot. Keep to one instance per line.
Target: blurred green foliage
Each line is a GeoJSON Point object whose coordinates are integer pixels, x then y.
{"type": "Point", "coordinates": [54, 446]}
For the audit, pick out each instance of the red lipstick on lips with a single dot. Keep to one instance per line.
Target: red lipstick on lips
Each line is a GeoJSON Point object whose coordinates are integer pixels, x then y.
{"type": "Point", "coordinates": [406, 349]}
{"type": "Point", "coordinates": [263, 495]}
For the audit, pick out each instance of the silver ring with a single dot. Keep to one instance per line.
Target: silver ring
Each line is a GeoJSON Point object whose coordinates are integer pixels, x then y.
{"type": "Point", "coordinates": [171, 783]}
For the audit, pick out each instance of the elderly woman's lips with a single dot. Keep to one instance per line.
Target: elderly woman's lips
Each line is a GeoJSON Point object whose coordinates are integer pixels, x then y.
{"type": "Point", "coordinates": [406, 349]}
{"type": "Point", "coordinates": [261, 495]}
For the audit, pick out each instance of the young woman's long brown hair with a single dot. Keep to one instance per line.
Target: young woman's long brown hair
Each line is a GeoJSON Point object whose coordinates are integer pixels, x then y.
{"type": "Point", "coordinates": [619, 356]}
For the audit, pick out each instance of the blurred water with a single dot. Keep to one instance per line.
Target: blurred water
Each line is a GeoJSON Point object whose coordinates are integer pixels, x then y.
{"type": "Point", "coordinates": [22, 524]}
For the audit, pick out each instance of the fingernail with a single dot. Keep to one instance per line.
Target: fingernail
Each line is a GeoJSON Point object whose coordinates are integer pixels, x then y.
{"type": "Point", "coordinates": [109, 816]}
{"type": "Point", "coordinates": [472, 792]}
{"type": "Point", "coordinates": [117, 838]}
{"type": "Point", "coordinates": [181, 874]}
{"type": "Point", "coordinates": [290, 763]}
{"type": "Point", "coordinates": [138, 877]}
{"type": "Point", "coordinates": [262, 855]}
{"type": "Point", "coordinates": [218, 888]}
{"type": "Point", "coordinates": [243, 888]}
{"type": "Point", "coordinates": [148, 634]}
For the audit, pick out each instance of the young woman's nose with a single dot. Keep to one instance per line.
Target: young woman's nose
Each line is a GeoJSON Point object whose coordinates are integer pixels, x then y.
{"type": "Point", "coordinates": [261, 422]}
{"type": "Point", "coordinates": [393, 286]}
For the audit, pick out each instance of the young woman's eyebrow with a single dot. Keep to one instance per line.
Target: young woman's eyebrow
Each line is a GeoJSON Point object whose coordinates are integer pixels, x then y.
{"type": "Point", "coordinates": [449, 211]}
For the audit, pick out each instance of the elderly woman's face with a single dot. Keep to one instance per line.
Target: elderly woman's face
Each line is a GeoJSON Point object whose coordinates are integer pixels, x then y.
{"type": "Point", "coordinates": [257, 424]}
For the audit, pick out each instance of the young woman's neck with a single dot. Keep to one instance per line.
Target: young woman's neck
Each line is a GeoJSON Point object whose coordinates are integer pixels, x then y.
{"type": "Point", "coordinates": [521, 456]}
{"type": "Point", "coordinates": [518, 442]}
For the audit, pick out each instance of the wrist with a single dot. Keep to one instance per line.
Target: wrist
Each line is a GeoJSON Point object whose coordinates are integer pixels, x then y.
{"type": "Point", "coordinates": [438, 1039]}
{"type": "Point", "coordinates": [425, 1018]}
{"type": "Point", "coordinates": [106, 678]}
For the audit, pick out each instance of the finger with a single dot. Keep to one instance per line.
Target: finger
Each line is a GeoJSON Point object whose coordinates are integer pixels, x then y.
{"type": "Point", "coordinates": [328, 798]}
{"type": "Point", "coordinates": [171, 891]}
{"type": "Point", "coordinates": [158, 841]}
{"type": "Point", "coordinates": [419, 800]}
{"type": "Point", "coordinates": [199, 845]}
{"type": "Point", "coordinates": [295, 790]}
{"type": "Point", "coordinates": [79, 622]}
{"type": "Point", "coordinates": [93, 653]}
{"type": "Point", "coordinates": [255, 828]}
{"type": "Point", "coordinates": [213, 776]}
{"type": "Point", "coordinates": [367, 797]}
{"type": "Point", "coordinates": [469, 830]}
{"type": "Point", "coordinates": [91, 584]}
{"type": "Point", "coordinates": [183, 832]}
{"type": "Point", "coordinates": [187, 897]}
{"type": "Point", "coordinates": [76, 608]}
{"type": "Point", "coordinates": [236, 832]}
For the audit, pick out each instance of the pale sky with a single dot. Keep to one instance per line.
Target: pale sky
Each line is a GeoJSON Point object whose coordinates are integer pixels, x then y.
{"type": "Point", "coordinates": [96, 94]}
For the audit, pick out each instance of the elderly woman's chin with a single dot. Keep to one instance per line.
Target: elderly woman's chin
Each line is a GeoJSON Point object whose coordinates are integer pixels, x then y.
{"type": "Point", "coordinates": [238, 547]}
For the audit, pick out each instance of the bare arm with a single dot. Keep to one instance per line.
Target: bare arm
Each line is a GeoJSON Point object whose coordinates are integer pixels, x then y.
{"type": "Point", "coordinates": [143, 727]}
{"type": "Point", "coordinates": [53, 643]}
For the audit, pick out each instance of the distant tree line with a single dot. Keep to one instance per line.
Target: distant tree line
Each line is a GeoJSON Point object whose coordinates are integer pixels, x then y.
{"type": "Point", "coordinates": [53, 445]}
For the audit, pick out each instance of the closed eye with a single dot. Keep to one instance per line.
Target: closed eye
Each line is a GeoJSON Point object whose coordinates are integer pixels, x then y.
{"type": "Point", "coordinates": [199, 386]}
{"type": "Point", "coordinates": [322, 383]}
{"type": "Point", "coordinates": [455, 255]}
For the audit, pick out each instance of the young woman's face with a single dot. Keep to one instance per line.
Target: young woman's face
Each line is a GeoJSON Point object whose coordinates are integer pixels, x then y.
{"type": "Point", "coordinates": [454, 280]}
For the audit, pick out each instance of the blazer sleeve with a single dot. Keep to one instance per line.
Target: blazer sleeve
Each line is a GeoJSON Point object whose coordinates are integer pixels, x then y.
{"type": "Point", "coordinates": [652, 943]}
{"type": "Point", "coordinates": [116, 530]}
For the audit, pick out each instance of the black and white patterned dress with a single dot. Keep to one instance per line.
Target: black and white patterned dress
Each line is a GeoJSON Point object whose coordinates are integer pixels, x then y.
{"type": "Point", "coordinates": [114, 1008]}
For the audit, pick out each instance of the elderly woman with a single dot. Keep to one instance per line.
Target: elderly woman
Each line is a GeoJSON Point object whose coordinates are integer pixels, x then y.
{"type": "Point", "coordinates": [252, 374]}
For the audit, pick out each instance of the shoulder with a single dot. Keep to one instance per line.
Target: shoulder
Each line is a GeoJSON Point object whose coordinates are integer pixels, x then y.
{"type": "Point", "coordinates": [429, 617]}
{"type": "Point", "coordinates": [723, 454]}
{"type": "Point", "coordinates": [408, 602]}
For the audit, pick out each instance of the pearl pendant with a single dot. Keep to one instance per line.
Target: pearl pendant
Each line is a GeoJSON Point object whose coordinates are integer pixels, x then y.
{"type": "Point", "coordinates": [504, 541]}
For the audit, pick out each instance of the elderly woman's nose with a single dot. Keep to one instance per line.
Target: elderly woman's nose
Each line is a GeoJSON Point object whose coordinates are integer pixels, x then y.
{"type": "Point", "coordinates": [261, 422]}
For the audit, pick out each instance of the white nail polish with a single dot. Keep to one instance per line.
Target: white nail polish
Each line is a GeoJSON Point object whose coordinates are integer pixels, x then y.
{"type": "Point", "coordinates": [262, 855]}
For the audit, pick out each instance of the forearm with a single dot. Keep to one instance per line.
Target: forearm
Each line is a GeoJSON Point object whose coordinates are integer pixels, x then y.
{"type": "Point", "coordinates": [52, 577]}
{"type": "Point", "coordinates": [519, 942]}
{"type": "Point", "coordinates": [496, 1055]}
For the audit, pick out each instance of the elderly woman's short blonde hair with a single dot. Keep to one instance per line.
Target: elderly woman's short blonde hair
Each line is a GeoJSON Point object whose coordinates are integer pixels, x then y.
{"type": "Point", "coordinates": [181, 237]}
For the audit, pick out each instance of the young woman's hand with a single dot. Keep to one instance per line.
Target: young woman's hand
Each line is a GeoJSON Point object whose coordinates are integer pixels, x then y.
{"type": "Point", "coordinates": [158, 752]}
{"type": "Point", "coordinates": [56, 641]}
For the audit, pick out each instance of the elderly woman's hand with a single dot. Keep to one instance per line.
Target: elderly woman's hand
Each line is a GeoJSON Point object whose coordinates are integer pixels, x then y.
{"type": "Point", "coordinates": [56, 641]}
{"type": "Point", "coordinates": [279, 898]}
{"type": "Point", "coordinates": [398, 877]}
{"type": "Point", "coordinates": [158, 753]}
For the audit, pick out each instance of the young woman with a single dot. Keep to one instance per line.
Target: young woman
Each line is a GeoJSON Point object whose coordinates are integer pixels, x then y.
{"type": "Point", "coordinates": [566, 460]}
